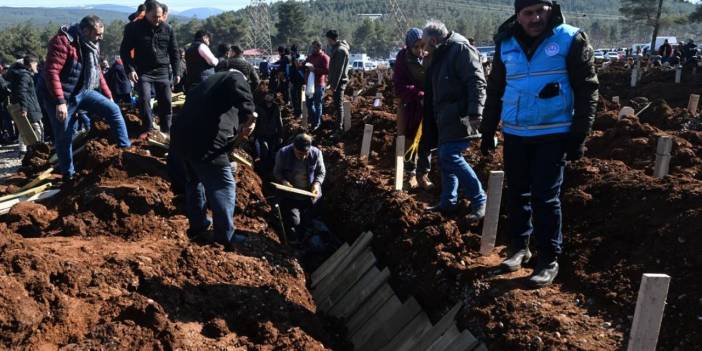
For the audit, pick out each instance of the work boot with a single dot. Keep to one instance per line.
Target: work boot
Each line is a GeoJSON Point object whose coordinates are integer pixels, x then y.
{"type": "Point", "coordinates": [515, 262]}
{"type": "Point", "coordinates": [413, 184]}
{"type": "Point", "coordinates": [425, 183]}
{"type": "Point", "coordinates": [544, 274]}
{"type": "Point", "coordinates": [477, 212]}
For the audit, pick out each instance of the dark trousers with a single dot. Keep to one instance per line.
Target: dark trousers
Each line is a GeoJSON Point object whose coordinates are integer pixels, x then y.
{"type": "Point", "coordinates": [534, 174]}
{"type": "Point", "coordinates": [420, 164]}
{"type": "Point", "coordinates": [266, 149]}
{"type": "Point", "coordinates": [297, 215]}
{"type": "Point", "coordinates": [296, 97]}
{"type": "Point", "coordinates": [162, 88]}
{"type": "Point", "coordinates": [339, 104]}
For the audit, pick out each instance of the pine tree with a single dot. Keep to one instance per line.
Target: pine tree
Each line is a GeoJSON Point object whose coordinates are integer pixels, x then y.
{"type": "Point", "coordinates": [291, 25]}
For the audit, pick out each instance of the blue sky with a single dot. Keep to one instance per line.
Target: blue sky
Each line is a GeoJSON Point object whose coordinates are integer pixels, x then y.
{"type": "Point", "coordinates": [179, 5]}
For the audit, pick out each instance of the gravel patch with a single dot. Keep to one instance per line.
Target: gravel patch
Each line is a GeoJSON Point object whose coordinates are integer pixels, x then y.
{"type": "Point", "coordinates": [10, 160]}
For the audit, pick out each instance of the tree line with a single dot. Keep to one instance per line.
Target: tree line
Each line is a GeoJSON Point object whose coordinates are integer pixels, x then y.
{"type": "Point", "coordinates": [370, 29]}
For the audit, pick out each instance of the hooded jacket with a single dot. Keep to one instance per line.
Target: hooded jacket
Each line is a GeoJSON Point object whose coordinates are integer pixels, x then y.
{"type": "Point", "coordinates": [339, 64]}
{"type": "Point", "coordinates": [64, 67]}
{"type": "Point", "coordinates": [23, 92]}
{"type": "Point", "coordinates": [455, 90]}
{"type": "Point", "coordinates": [581, 74]}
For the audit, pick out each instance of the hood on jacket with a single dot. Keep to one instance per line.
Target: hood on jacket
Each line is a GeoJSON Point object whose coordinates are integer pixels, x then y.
{"type": "Point", "coordinates": [508, 28]}
{"type": "Point", "coordinates": [72, 32]}
{"type": "Point", "coordinates": [343, 45]}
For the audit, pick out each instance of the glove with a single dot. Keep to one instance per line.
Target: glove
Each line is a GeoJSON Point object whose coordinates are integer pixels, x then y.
{"type": "Point", "coordinates": [487, 143]}
{"type": "Point", "coordinates": [575, 148]}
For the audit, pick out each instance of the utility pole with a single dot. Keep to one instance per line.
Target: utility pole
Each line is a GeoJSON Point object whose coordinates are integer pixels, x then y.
{"type": "Point", "coordinates": [656, 26]}
{"type": "Point", "coordinates": [259, 36]}
{"type": "Point", "coordinates": [400, 20]}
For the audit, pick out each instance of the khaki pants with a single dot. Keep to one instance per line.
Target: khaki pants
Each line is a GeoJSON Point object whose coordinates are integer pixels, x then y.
{"type": "Point", "coordinates": [30, 133]}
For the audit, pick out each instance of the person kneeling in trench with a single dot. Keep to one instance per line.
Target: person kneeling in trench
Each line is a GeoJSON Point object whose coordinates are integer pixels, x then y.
{"type": "Point", "coordinates": [203, 136]}
{"type": "Point", "coordinates": [299, 165]}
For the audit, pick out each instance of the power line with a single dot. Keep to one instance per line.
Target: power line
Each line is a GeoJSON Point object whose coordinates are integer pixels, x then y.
{"type": "Point", "coordinates": [259, 36]}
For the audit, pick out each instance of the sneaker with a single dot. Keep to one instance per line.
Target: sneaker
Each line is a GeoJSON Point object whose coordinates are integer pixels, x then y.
{"type": "Point", "coordinates": [544, 274]}
{"type": "Point", "coordinates": [516, 261]}
{"type": "Point", "coordinates": [425, 183]}
{"type": "Point", "coordinates": [477, 212]}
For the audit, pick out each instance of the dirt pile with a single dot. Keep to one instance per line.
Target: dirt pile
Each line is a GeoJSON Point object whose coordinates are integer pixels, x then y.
{"type": "Point", "coordinates": [656, 83]}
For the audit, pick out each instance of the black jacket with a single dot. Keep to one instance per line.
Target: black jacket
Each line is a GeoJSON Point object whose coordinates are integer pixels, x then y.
{"type": "Point", "coordinates": [23, 91]}
{"type": "Point", "coordinates": [244, 67]}
{"type": "Point", "coordinates": [269, 124]}
{"type": "Point", "coordinates": [207, 126]}
{"type": "Point", "coordinates": [581, 70]}
{"type": "Point", "coordinates": [155, 48]}
{"type": "Point", "coordinates": [118, 81]}
{"type": "Point", "coordinates": [455, 90]}
{"type": "Point", "coordinates": [197, 68]}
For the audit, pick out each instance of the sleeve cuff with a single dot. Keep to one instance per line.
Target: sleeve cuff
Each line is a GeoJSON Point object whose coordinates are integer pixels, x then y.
{"type": "Point", "coordinates": [61, 101]}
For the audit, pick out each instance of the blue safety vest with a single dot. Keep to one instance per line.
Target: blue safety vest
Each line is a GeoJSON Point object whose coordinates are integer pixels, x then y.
{"type": "Point", "coordinates": [524, 113]}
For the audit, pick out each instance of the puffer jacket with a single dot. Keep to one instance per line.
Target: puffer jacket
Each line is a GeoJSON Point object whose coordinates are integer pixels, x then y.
{"type": "Point", "coordinates": [64, 67]}
{"type": "Point", "coordinates": [455, 90]}
{"type": "Point", "coordinates": [339, 64]}
{"type": "Point", "coordinates": [23, 92]}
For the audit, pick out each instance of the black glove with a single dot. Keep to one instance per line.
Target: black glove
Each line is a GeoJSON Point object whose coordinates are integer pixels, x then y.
{"type": "Point", "coordinates": [487, 143]}
{"type": "Point", "coordinates": [575, 148]}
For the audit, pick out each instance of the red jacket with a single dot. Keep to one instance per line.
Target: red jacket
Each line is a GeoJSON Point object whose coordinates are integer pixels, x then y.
{"type": "Point", "coordinates": [321, 68]}
{"type": "Point", "coordinates": [64, 67]}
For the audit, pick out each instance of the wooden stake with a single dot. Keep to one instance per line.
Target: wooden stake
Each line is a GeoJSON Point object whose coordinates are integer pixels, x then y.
{"type": "Point", "coordinates": [650, 306]}
{"type": "Point", "coordinates": [692, 105]}
{"type": "Point", "coordinates": [366, 144]}
{"type": "Point", "coordinates": [400, 163]}
{"type": "Point", "coordinates": [26, 131]}
{"type": "Point", "coordinates": [347, 116]}
{"type": "Point", "coordinates": [41, 177]}
{"type": "Point", "coordinates": [25, 193]}
{"type": "Point", "coordinates": [665, 146]}
{"type": "Point", "coordinates": [492, 216]}
{"type": "Point", "coordinates": [678, 74]}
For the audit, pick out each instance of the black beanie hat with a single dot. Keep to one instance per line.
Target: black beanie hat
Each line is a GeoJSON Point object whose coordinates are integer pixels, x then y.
{"type": "Point", "coordinates": [520, 4]}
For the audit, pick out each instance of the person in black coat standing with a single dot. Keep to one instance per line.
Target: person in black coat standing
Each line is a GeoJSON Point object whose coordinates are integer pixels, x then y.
{"type": "Point", "coordinates": [23, 99]}
{"type": "Point", "coordinates": [119, 83]}
{"type": "Point", "coordinates": [217, 113]}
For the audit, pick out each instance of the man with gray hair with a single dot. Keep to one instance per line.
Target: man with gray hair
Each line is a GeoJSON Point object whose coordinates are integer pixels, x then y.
{"type": "Point", "coordinates": [454, 100]}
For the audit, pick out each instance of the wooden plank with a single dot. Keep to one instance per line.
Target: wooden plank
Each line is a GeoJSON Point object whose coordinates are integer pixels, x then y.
{"type": "Point", "coordinates": [360, 292]}
{"type": "Point", "coordinates": [693, 104]}
{"type": "Point", "coordinates": [369, 307]}
{"type": "Point", "coordinates": [399, 162]}
{"type": "Point", "coordinates": [356, 249]}
{"type": "Point", "coordinates": [347, 116]}
{"type": "Point", "coordinates": [7, 205]}
{"type": "Point", "coordinates": [446, 339]}
{"type": "Point", "coordinates": [464, 342]}
{"type": "Point", "coordinates": [439, 329]}
{"type": "Point", "coordinates": [492, 216]}
{"type": "Point", "coordinates": [26, 193]}
{"type": "Point", "coordinates": [648, 316]}
{"type": "Point", "coordinates": [27, 133]}
{"type": "Point", "coordinates": [366, 144]}
{"type": "Point", "coordinates": [328, 265]}
{"type": "Point", "coordinates": [241, 160]}
{"type": "Point", "coordinates": [380, 318]}
{"type": "Point", "coordinates": [410, 334]}
{"type": "Point", "coordinates": [410, 309]}
{"type": "Point", "coordinates": [40, 178]}
{"type": "Point", "coordinates": [328, 297]}
{"type": "Point", "coordinates": [292, 190]}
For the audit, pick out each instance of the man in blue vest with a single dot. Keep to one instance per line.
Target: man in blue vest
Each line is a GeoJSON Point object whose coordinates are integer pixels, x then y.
{"type": "Point", "coordinates": [544, 88]}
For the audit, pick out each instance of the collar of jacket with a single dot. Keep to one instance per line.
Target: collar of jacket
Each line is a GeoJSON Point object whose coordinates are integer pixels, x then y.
{"type": "Point", "coordinates": [509, 28]}
{"type": "Point", "coordinates": [72, 32]}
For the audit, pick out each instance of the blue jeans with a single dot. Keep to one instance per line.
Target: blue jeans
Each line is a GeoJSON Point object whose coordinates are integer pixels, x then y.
{"type": "Point", "coordinates": [456, 171]}
{"type": "Point", "coordinates": [314, 107]}
{"type": "Point", "coordinates": [534, 174]}
{"type": "Point", "coordinates": [211, 183]}
{"type": "Point", "coordinates": [97, 105]}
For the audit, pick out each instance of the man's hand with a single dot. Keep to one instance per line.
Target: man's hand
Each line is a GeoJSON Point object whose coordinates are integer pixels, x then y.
{"type": "Point", "coordinates": [316, 189]}
{"type": "Point", "coordinates": [61, 112]}
{"type": "Point", "coordinates": [177, 80]}
{"type": "Point", "coordinates": [134, 77]}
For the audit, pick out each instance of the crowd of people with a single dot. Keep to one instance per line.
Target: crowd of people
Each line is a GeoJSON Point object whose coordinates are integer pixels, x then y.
{"type": "Point", "coordinates": [542, 89]}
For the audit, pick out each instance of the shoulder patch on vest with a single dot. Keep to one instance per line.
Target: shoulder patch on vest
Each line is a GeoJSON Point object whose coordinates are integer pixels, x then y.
{"type": "Point", "coordinates": [552, 49]}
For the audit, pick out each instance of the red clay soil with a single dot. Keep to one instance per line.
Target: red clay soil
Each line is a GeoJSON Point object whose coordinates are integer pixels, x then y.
{"type": "Point", "coordinates": [107, 265]}
{"type": "Point", "coordinates": [657, 83]}
{"type": "Point", "coordinates": [619, 224]}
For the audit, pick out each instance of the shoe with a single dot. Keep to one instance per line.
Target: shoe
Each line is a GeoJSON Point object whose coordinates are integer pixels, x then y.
{"type": "Point", "coordinates": [413, 183]}
{"type": "Point", "coordinates": [477, 212]}
{"type": "Point", "coordinates": [446, 211]}
{"type": "Point", "coordinates": [425, 183]}
{"type": "Point", "coordinates": [516, 261]}
{"type": "Point", "coordinates": [544, 274]}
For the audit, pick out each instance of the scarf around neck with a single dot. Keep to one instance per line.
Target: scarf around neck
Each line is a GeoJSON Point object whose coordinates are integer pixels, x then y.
{"type": "Point", "coordinates": [91, 63]}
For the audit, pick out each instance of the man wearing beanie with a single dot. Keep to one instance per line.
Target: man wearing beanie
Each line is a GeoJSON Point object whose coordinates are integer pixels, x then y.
{"type": "Point", "coordinates": [454, 100]}
{"type": "Point", "coordinates": [544, 89]}
{"type": "Point", "coordinates": [338, 73]}
{"type": "Point", "coordinates": [408, 76]}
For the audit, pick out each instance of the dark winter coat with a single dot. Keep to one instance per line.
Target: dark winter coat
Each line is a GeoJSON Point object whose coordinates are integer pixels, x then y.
{"type": "Point", "coordinates": [197, 68]}
{"type": "Point", "coordinates": [455, 90]}
{"type": "Point", "coordinates": [23, 91]}
{"type": "Point", "coordinates": [581, 72]}
{"type": "Point", "coordinates": [64, 67]}
{"type": "Point", "coordinates": [285, 165]}
{"type": "Point", "coordinates": [213, 110]}
{"type": "Point", "coordinates": [409, 91]}
{"type": "Point", "coordinates": [269, 124]}
{"type": "Point", "coordinates": [155, 49]}
{"type": "Point", "coordinates": [244, 67]}
{"type": "Point", "coordinates": [339, 64]}
{"type": "Point", "coordinates": [117, 79]}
